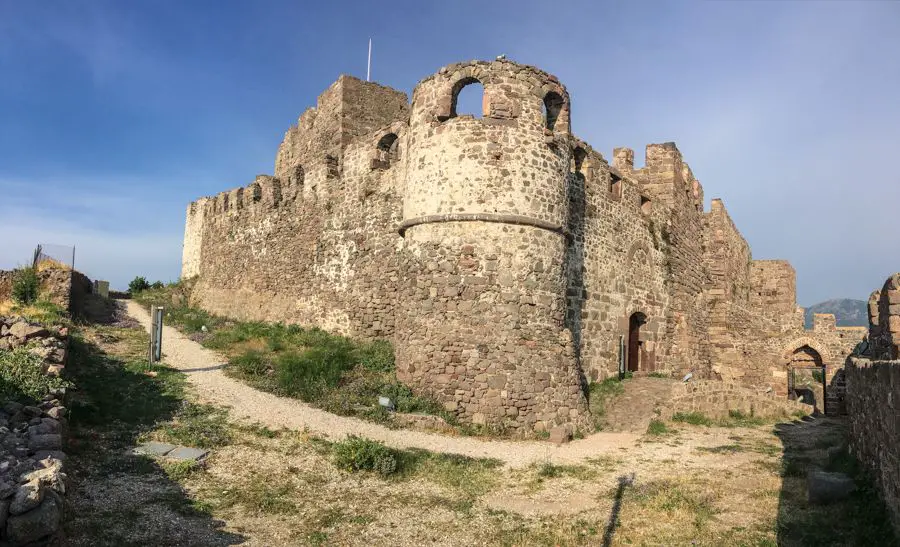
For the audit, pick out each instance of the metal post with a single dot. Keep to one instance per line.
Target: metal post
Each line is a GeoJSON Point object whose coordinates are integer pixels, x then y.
{"type": "Point", "coordinates": [369, 62]}
{"type": "Point", "coordinates": [621, 357]}
{"type": "Point", "coordinates": [73, 258]}
{"type": "Point", "coordinates": [159, 329]}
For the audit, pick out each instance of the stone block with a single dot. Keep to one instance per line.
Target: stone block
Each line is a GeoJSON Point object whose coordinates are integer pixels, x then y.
{"type": "Point", "coordinates": [183, 453]}
{"type": "Point", "coordinates": [824, 487]}
{"type": "Point", "coordinates": [560, 435]}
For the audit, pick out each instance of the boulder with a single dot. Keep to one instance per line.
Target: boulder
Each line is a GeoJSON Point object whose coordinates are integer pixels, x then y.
{"type": "Point", "coordinates": [560, 435]}
{"type": "Point", "coordinates": [49, 441]}
{"type": "Point", "coordinates": [824, 487]}
{"type": "Point", "coordinates": [24, 331]}
{"type": "Point", "coordinates": [27, 497]}
{"type": "Point", "coordinates": [12, 407]}
{"type": "Point", "coordinates": [37, 523]}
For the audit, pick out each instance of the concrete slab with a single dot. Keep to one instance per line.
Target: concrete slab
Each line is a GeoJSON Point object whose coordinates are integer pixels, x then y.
{"type": "Point", "coordinates": [183, 453]}
{"type": "Point", "coordinates": [155, 449]}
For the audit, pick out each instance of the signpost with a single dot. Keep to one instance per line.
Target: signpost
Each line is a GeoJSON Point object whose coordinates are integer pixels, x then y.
{"type": "Point", "coordinates": [156, 325]}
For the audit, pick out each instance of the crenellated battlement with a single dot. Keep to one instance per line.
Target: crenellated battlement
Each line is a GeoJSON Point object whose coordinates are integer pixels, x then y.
{"type": "Point", "coordinates": [506, 258]}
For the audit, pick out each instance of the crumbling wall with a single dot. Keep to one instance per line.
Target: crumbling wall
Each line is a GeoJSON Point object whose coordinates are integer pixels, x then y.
{"type": "Point", "coordinates": [873, 397]}
{"type": "Point", "coordinates": [884, 320]}
{"type": "Point", "coordinates": [717, 399]}
{"type": "Point", "coordinates": [873, 406]}
{"type": "Point", "coordinates": [318, 245]}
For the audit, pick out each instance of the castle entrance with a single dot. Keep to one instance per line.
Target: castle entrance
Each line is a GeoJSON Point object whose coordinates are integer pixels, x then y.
{"type": "Point", "coordinates": [635, 345]}
{"type": "Point", "coordinates": [806, 377]}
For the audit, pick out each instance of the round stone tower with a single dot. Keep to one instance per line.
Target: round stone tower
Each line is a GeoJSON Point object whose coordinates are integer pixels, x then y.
{"type": "Point", "coordinates": [480, 326]}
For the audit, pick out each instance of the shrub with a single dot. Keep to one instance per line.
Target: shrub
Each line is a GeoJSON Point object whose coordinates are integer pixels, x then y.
{"type": "Point", "coordinates": [25, 286]}
{"type": "Point", "coordinates": [250, 363]}
{"type": "Point", "coordinates": [138, 284]}
{"type": "Point", "coordinates": [377, 356]}
{"type": "Point", "coordinates": [657, 427]}
{"type": "Point", "coordinates": [361, 454]}
{"type": "Point", "coordinates": [157, 285]}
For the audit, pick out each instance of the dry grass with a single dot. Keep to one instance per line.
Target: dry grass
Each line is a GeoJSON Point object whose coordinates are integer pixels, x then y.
{"type": "Point", "coordinates": [715, 486]}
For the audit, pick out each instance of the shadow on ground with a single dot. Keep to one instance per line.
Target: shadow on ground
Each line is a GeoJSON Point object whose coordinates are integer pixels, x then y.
{"type": "Point", "coordinates": [119, 498]}
{"type": "Point", "coordinates": [820, 443]}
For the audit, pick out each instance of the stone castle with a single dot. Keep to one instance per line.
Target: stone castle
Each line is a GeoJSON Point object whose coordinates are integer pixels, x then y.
{"type": "Point", "coordinates": [508, 261]}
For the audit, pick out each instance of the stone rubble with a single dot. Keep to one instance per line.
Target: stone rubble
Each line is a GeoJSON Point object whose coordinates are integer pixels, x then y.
{"type": "Point", "coordinates": [33, 482]}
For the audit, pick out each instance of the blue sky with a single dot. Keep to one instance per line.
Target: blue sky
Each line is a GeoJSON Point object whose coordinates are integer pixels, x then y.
{"type": "Point", "coordinates": [115, 115]}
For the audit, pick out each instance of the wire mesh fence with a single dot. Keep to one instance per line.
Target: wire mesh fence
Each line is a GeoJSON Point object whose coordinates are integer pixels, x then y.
{"type": "Point", "coordinates": [51, 255]}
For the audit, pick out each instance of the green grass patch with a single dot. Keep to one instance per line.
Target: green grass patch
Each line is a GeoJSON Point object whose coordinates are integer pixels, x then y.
{"type": "Point", "coordinates": [693, 418]}
{"type": "Point", "coordinates": [658, 428]}
{"type": "Point", "coordinates": [198, 425]}
{"type": "Point", "coordinates": [335, 373]}
{"type": "Point", "coordinates": [21, 377]}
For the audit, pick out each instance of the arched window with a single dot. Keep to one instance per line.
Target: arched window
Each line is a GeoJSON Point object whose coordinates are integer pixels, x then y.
{"type": "Point", "coordinates": [553, 105]}
{"type": "Point", "coordinates": [468, 98]}
{"type": "Point", "coordinates": [387, 151]}
{"type": "Point", "coordinates": [255, 192]}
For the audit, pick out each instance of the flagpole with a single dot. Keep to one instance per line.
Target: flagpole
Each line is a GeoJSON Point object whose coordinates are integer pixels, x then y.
{"type": "Point", "coordinates": [369, 63]}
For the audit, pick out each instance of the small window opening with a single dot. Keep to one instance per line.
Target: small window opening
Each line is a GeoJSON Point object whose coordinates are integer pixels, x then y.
{"type": "Point", "coordinates": [646, 205]}
{"type": "Point", "coordinates": [615, 186]}
{"type": "Point", "coordinates": [468, 99]}
{"type": "Point", "coordinates": [256, 194]}
{"type": "Point", "coordinates": [553, 104]}
{"type": "Point", "coordinates": [578, 156]}
{"type": "Point", "coordinates": [387, 151]}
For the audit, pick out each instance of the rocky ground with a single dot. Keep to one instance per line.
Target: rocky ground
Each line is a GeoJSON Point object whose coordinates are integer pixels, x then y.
{"type": "Point", "coordinates": [677, 484]}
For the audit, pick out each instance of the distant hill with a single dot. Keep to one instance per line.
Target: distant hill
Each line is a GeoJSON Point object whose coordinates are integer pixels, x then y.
{"type": "Point", "coordinates": [848, 312]}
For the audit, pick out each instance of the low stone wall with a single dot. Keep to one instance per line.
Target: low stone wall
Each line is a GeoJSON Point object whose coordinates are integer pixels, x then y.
{"type": "Point", "coordinates": [32, 479]}
{"type": "Point", "coordinates": [65, 288]}
{"type": "Point", "coordinates": [873, 406]}
{"type": "Point", "coordinates": [715, 399]}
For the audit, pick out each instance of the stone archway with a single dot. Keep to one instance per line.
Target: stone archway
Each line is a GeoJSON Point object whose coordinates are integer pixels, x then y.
{"type": "Point", "coordinates": [806, 377]}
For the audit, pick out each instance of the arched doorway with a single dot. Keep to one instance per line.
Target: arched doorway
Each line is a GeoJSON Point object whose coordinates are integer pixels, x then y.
{"type": "Point", "coordinates": [635, 345]}
{"type": "Point", "coordinates": [806, 377]}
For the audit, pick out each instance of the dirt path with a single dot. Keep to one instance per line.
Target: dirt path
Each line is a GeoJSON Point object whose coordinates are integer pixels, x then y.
{"type": "Point", "coordinates": [203, 368]}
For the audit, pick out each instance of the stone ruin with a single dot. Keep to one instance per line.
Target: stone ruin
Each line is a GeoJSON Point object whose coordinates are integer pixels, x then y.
{"type": "Point", "coordinates": [873, 396]}
{"type": "Point", "coordinates": [507, 260]}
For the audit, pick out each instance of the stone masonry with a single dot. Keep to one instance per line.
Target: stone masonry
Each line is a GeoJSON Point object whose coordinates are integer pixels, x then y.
{"type": "Point", "coordinates": [873, 397]}
{"type": "Point", "coordinates": [506, 259]}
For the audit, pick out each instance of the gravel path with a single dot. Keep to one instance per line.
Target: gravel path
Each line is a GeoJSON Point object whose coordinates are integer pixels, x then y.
{"type": "Point", "coordinates": [203, 368]}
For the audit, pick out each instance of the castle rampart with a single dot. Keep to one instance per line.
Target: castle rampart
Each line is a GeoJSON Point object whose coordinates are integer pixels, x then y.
{"type": "Point", "coordinates": [505, 258]}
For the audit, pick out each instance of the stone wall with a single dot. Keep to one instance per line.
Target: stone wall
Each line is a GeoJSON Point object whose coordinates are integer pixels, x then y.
{"type": "Point", "coordinates": [64, 287]}
{"type": "Point", "coordinates": [873, 406]}
{"type": "Point", "coordinates": [873, 396]}
{"type": "Point", "coordinates": [507, 260]}
{"type": "Point", "coordinates": [884, 320]}
{"type": "Point", "coordinates": [32, 478]}
{"type": "Point", "coordinates": [715, 399]}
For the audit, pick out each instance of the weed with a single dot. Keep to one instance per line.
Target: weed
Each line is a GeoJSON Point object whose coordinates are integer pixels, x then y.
{"type": "Point", "coordinates": [657, 428]}
{"type": "Point", "coordinates": [693, 418]}
{"type": "Point", "coordinates": [21, 377]}
{"type": "Point", "coordinates": [599, 394]}
{"type": "Point", "coordinates": [361, 454]}
{"type": "Point", "coordinates": [659, 375]}
{"type": "Point", "coordinates": [203, 426]}
{"type": "Point", "coordinates": [180, 470]}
